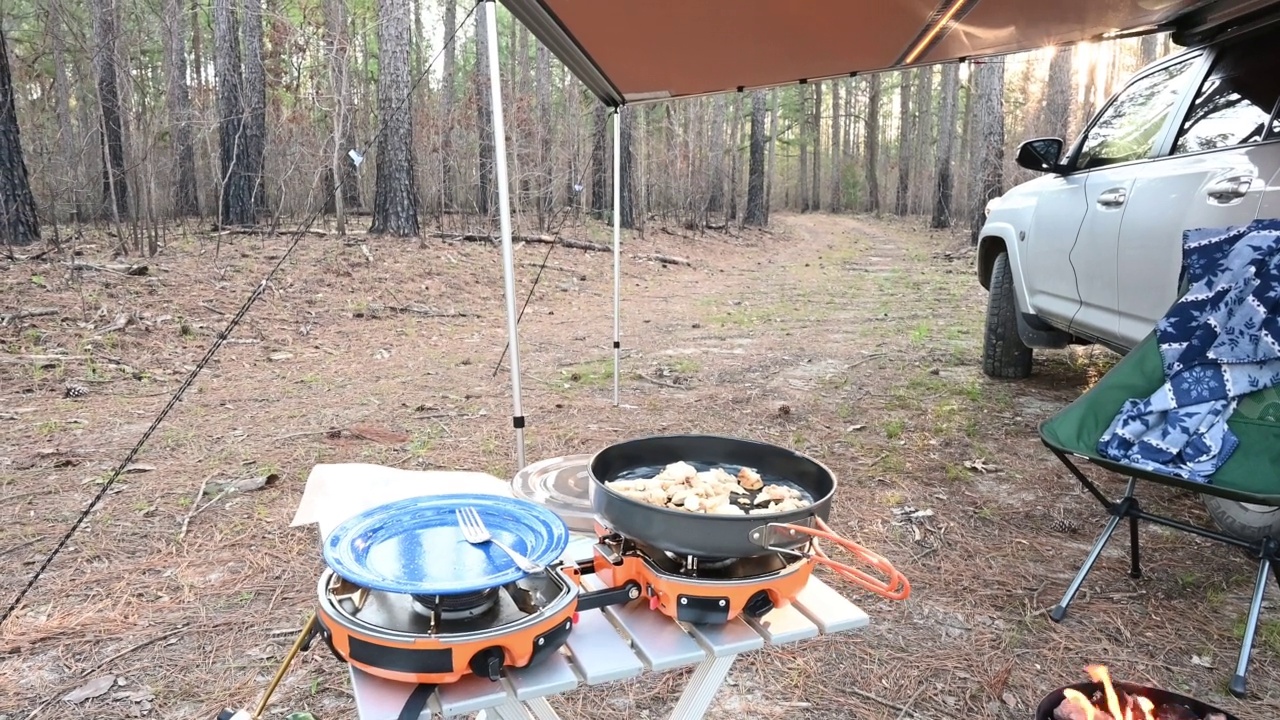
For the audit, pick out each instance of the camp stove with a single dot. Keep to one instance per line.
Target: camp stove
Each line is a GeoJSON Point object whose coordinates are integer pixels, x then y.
{"type": "Point", "coordinates": [699, 590]}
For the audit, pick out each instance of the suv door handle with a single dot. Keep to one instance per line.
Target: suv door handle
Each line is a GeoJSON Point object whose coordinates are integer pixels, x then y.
{"type": "Point", "coordinates": [1114, 197]}
{"type": "Point", "coordinates": [1232, 188]}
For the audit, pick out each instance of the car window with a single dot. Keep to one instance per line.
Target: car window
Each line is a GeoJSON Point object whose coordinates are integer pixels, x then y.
{"type": "Point", "coordinates": [1130, 126]}
{"type": "Point", "coordinates": [1234, 104]}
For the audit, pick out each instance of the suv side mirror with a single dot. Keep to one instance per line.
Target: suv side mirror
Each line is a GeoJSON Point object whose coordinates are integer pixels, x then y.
{"type": "Point", "coordinates": [1040, 154]}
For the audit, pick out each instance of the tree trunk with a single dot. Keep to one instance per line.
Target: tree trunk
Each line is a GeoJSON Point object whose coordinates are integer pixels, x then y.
{"type": "Point", "coordinates": [922, 140]}
{"type": "Point", "coordinates": [773, 146]}
{"type": "Point", "coordinates": [115, 187]}
{"type": "Point", "coordinates": [815, 198]}
{"type": "Point", "coordinates": [186, 195]}
{"type": "Point", "coordinates": [1148, 49]}
{"type": "Point", "coordinates": [485, 200]}
{"type": "Point", "coordinates": [235, 206]}
{"type": "Point", "coordinates": [755, 213]}
{"type": "Point", "coordinates": [395, 201]}
{"type": "Point", "coordinates": [255, 104]}
{"type": "Point", "coordinates": [1055, 119]}
{"type": "Point", "coordinates": [989, 135]}
{"type": "Point", "coordinates": [735, 135]}
{"type": "Point", "coordinates": [600, 200]}
{"type": "Point", "coordinates": [449, 85]}
{"type": "Point", "coordinates": [900, 201]}
{"type": "Point", "coordinates": [803, 146]}
{"type": "Point", "coordinates": [547, 124]}
{"type": "Point", "coordinates": [341, 175]}
{"type": "Point", "coordinates": [69, 185]}
{"type": "Point", "coordinates": [19, 223]}
{"type": "Point", "coordinates": [715, 173]}
{"type": "Point", "coordinates": [944, 187]}
{"type": "Point", "coordinates": [197, 43]}
{"type": "Point", "coordinates": [630, 217]}
{"type": "Point", "coordinates": [837, 143]}
{"type": "Point", "coordinates": [873, 144]}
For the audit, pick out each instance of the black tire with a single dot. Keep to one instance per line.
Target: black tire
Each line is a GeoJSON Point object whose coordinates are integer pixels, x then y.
{"type": "Point", "coordinates": [1003, 354]}
{"type": "Point", "coordinates": [1241, 520]}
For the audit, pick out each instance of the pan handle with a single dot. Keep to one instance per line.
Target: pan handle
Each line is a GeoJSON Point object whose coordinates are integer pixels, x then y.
{"type": "Point", "coordinates": [896, 587]}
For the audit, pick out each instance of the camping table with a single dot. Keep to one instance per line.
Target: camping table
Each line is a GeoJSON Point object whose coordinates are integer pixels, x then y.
{"type": "Point", "coordinates": [598, 654]}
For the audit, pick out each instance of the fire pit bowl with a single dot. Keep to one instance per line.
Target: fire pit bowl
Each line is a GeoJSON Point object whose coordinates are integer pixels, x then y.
{"type": "Point", "coordinates": [1168, 705]}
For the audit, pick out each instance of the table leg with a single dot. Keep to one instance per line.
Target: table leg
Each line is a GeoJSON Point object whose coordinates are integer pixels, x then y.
{"type": "Point", "coordinates": [701, 690]}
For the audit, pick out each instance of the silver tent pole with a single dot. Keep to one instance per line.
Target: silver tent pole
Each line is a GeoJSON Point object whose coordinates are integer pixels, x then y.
{"type": "Point", "coordinates": [617, 242]}
{"type": "Point", "coordinates": [490, 8]}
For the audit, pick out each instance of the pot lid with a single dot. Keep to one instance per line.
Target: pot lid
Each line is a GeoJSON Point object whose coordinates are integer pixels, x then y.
{"type": "Point", "coordinates": [562, 485]}
{"type": "Point", "coordinates": [415, 546]}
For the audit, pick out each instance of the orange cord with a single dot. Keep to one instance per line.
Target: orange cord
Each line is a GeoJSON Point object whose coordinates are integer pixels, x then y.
{"type": "Point", "coordinates": [896, 588]}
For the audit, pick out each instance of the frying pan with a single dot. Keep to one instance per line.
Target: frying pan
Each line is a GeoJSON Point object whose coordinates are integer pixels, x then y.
{"type": "Point", "coordinates": [704, 536]}
{"type": "Point", "coordinates": [1156, 695]}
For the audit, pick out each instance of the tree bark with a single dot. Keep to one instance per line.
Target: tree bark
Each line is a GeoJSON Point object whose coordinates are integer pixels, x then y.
{"type": "Point", "coordinates": [815, 198]}
{"type": "Point", "coordinates": [547, 124]}
{"type": "Point", "coordinates": [186, 195]}
{"type": "Point", "coordinates": [449, 85]}
{"type": "Point", "coordinates": [901, 199]}
{"type": "Point", "coordinates": [630, 217]}
{"type": "Point", "coordinates": [395, 202]}
{"type": "Point", "coordinates": [773, 147]}
{"type": "Point", "coordinates": [1055, 119]}
{"type": "Point", "coordinates": [873, 144]}
{"type": "Point", "coordinates": [115, 186]}
{"type": "Point", "coordinates": [837, 152]}
{"type": "Point", "coordinates": [735, 140]}
{"type": "Point", "coordinates": [255, 104]}
{"type": "Point", "coordinates": [235, 206]}
{"type": "Point", "coordinates": [944, 187]}
{"type": "Point", "coordinates": [715, 173]}
{"type": "Point", "coordinates": [19, 223]}
{"type": "Point", "coordinates": [69, 185]}
{"type": "Point", "coordinates": [485, 200]}
{"type": "Point", "coordinates": [600, 200]}
{"type": "Point", "coordinates": [989, 134]}
{"type": "Point", "coordinates": [755, 212]}
{"type": "Point", "coordinates": [922, 140]}
{"type": "Point", "coordinates": [1147, 49]}
{"type": "Point", "coordinates": [803, 146]}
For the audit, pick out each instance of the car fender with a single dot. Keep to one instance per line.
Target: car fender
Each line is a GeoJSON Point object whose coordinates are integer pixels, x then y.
{"type": "Point", "coordinates": [996, 237]}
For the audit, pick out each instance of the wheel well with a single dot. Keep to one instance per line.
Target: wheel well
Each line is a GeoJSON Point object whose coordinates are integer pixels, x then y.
{"type": "Point", "coordinates": [989, 248]}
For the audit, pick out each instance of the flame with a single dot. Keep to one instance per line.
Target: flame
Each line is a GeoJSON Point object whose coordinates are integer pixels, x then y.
{"type": "Point", "coordinates": [1101, 675]}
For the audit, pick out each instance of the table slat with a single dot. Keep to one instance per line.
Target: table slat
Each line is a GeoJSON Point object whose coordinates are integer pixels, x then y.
{"type": "Point", "coordinates": [784, 625]}
{"type": "Point", "coordinates": [732, 638]}
{"type": "Point", "coordinates": [658, 639]}
{"type": "Point", "coordinates": [551, 676]}
{"type": "Point", "coordinates": [469, 694]}
{"type": "Point", "coordinates": [598, 653]}
{"type": "Point", "coordinates": [828, 609]}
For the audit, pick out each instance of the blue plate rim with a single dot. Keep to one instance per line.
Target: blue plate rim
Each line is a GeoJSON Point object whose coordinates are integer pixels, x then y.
{"type": "Point", "coordinates": [345, 531]}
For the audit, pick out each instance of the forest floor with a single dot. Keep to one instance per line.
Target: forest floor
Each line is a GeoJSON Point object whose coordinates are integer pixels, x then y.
{"type": "Point", "coordinates": [868, 331]}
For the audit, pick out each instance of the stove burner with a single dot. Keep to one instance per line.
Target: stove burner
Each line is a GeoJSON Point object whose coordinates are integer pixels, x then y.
{"type": "Point", "coordinates": [456, 607]}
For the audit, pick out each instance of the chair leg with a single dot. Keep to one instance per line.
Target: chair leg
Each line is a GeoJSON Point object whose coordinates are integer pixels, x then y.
{"type": "Point", "coordinates": [1060, 610]}
{"type": "Point", "coordinates": [1250, 627]}
{"type": "Point", "coordinates": [1135, 566]}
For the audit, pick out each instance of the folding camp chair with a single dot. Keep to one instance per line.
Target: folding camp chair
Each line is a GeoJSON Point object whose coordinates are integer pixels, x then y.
{"type": "Point", "coordinates": [1251, 475]}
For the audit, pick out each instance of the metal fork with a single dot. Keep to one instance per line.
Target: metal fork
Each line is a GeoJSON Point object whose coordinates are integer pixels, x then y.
{"type": "Point", "coordinates": [476, 533]}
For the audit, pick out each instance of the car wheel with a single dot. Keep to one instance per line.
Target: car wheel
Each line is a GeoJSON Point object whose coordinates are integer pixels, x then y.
{"type": "Point", "coordinates": [1245, 521]}
{"type": "Point", "coordinates": [1003, 354]}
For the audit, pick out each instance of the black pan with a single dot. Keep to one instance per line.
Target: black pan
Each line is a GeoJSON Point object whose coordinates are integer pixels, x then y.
{"type": "Point", "coordinates": [1156, 695]}
{"type": "Point", "coordinates": [698, 534]}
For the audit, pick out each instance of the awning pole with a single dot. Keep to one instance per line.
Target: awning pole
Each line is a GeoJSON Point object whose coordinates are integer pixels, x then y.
{"type": "Point", "coordinates": [490, 8]}
{"type": "Point", "coordinates": [617, 242]}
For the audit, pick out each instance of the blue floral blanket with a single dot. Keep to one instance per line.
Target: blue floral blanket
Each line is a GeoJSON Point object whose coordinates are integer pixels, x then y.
{"type": "Point", "coordinates": [1220, 341]}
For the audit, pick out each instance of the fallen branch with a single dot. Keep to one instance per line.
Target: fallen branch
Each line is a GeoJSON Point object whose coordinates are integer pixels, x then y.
{"type": "Point", "coordinates": [664, 259]}
{"type": "Point", "coordinates": [418, 310]}
{"type": "Point", "coordinates": [663, 383]}
{"type": "Point", "coordinates": [134, 270]}
{"type": "Point", "coordinates": [903, 709]}
{"type": "Point", "coordinates": [24, 314]}
{"type": "Point", "coordinates": [255, 230]}
{"type": "Point", "coordinates": [121, 322]}
{"type": "Point", "coordinates": [543, 239]}
{"type": "Point", "coordinates": [194, 505]}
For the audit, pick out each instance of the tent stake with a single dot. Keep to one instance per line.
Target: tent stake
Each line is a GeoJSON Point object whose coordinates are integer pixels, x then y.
{"type": "Point", "coordinates": [490, 9]}
{"type": "Point", "coordinates": [617, 242]}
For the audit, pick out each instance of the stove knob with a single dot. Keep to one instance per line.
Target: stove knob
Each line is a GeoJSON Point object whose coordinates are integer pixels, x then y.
{"type": "Point", "coordinates": [654, 602]}
{"type": "Point", "coordinates": [759, 605]}
{"type": "Point", "coordinates": [487, 663]}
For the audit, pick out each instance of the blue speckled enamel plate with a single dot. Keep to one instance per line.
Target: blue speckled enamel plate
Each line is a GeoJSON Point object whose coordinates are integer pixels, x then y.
{"type": "Point", "coordinates": [415, 546]}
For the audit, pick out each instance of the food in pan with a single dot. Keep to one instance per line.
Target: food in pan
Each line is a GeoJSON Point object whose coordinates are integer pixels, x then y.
{"type": "Point", "coordinates": [681, 486]}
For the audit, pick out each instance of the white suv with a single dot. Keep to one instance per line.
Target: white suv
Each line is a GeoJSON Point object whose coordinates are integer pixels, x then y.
{"type": "Point", "coordinates": [1091, 251]}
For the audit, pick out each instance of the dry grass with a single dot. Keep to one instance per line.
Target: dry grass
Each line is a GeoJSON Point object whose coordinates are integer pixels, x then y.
{"type": "Point", "coordinates": [865, 329]}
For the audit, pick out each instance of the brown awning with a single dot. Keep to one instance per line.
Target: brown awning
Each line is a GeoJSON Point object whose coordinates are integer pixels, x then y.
{"type": "Point", "coordinates": [628, 51]}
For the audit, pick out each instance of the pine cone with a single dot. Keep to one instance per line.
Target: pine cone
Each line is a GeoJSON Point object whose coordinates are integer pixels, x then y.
{"type": "Point", "coordinates": [75, 391]}
{"type": "Point", "coordinates": [1066, 526]}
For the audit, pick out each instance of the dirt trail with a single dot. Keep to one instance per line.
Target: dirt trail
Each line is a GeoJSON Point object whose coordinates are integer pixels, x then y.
{"type": "Point", "coordinates": [852, 339]}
